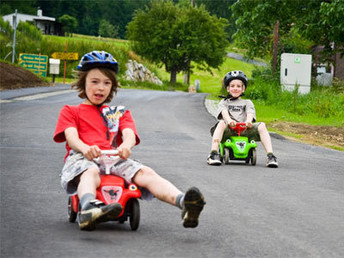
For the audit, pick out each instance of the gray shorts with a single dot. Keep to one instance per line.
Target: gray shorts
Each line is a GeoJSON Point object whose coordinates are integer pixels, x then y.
{"type": "Point", "coordinates": [250, 133]}
{"type": "Point", "coordinates": [76, 164]}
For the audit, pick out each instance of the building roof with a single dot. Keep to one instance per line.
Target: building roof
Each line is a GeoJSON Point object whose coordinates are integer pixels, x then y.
{"type": "Point", "coordinates": [28, 17]}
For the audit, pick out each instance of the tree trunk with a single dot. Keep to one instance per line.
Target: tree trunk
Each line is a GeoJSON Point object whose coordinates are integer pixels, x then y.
{"type": "Point", "coordinates": [275, 47]}
{"type": "Point", "coordinates": [173, 78]}
{"type": "Point", "coordinates": [187, 74]}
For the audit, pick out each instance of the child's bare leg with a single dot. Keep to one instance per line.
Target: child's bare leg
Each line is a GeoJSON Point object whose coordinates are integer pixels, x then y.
{"type": "Point", "coordinates": [191, 202]}
{"type": "Point", "coordinates": [89, 182]}
{"type": "Point", "coordinates": [265, 137]}
{"type": "Point", "coordinates": [218, 134]}
{"type": "Point", "coordinates": [158, 186]}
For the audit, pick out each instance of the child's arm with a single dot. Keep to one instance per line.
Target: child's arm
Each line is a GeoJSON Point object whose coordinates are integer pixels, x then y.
{"type": "Point", "coordinates": [129, 141]}
{"type": "Point", "coordinates": [249, 120]}
{"type": "Point", "coordinates": [227, 118]}
{"type": "Point", "coordinates": [73, 140]}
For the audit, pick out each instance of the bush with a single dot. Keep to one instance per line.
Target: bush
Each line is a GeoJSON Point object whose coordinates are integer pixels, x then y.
{"type": "Point", "coordinates": [322, 102]}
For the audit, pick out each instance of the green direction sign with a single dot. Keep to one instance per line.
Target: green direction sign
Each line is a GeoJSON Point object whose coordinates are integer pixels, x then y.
{"type": "Point", "coordinates": [35, 63]}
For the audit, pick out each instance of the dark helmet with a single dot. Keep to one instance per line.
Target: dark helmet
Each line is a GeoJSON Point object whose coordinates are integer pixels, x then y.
{"type": "Point", "coordinates": [97, 59]}
{"type": "Point", "coordinates": [233, 75]}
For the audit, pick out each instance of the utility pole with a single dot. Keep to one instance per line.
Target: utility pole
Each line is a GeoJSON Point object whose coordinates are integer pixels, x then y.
{"type": "Point", "coordinates": [14, 35]}
{"type": "Point", "coordinates": [275, 47]}
{"type": "Point", "coordinates": [187, 72]}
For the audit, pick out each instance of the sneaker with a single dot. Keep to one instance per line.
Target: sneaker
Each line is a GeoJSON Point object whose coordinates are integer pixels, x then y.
{"type": "Point", "coordinates": [214, 159]}
{"type": "Point", "coordinates": [97, 212]}
{"type": "Point", "coordinates": [193, 205]}
{"type": "Point", "coordinates": [271, 161]}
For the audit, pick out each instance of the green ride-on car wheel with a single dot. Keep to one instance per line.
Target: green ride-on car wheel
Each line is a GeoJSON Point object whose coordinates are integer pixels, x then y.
{"type": "Point", "coordinates": [253, 157]}
{"type": "Point", "coordinates": [226, 156]}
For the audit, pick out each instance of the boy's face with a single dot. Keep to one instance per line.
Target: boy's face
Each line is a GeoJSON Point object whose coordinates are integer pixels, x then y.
{"type": "Point", "coordinates": [98, 87]}
{"type": "Point", "coordinates": [236, 88]}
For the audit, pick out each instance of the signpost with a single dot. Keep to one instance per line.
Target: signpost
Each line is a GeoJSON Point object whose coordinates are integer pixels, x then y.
{"type": "Point", "coordinates": [65, 55]}
{"type": "Point", "coordinates": [36, 63]}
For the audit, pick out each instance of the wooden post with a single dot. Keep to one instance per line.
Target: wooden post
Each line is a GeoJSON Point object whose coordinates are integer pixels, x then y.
{"type": "Point", "coordinates": [65, 64]}
{"type": "Point", "coordinates": [275, 47]}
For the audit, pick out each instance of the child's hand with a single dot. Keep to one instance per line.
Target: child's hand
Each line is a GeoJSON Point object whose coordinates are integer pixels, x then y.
{"type": "Point", "coordinates": [232, 124]}
{"type": "Point", "coordinates": [124, 152]}
{"type": "Point", "coordinates": [92, 152]}
{"type": "Point", "coordinates": [249, 124]}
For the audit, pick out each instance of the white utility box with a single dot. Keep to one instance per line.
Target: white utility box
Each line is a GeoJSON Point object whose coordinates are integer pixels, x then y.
{"type": "Point", "coordinates": [54, 66]}
{"type": "Point", "coordinates": [296, 69]}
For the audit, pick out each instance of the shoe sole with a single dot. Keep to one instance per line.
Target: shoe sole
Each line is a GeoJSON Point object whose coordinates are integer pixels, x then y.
{"type": "Point", "coordinates": [194, 203]}
{"type": "Point", "coordinates": [272, 165]}
{"type": "Point", "coordinates": [214, 162]}
{"type": "Point", "coordinates": [89, 219]}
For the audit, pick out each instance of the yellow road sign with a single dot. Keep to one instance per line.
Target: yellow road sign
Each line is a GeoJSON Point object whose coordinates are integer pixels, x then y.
{"type": "Point", "coordinates": [65, 55]}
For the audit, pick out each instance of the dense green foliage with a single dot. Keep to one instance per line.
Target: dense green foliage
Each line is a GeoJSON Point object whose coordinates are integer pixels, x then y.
{"type": "Point", "coordinates": [69, 23]}
{"type": "Point", "coordinates": [176, 36]}
{"type": "Point", "coordinates": [88, 13]}
{"type": "Point", "coordinates": [304, 21]}
{"type": "Point", "coordinates": [118, 13]}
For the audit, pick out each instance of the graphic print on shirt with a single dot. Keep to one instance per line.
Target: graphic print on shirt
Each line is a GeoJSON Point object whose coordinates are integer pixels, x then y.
{"type": "Point", "coordinates": [112, 115]}
{"type": "Point", "coordinates": [236, 108]}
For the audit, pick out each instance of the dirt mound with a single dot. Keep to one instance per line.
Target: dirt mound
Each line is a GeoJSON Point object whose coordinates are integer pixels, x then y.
{"type": "Point", "coordinates": [327, 136]}
{"type": "Point", "coordinates": [14, 77]}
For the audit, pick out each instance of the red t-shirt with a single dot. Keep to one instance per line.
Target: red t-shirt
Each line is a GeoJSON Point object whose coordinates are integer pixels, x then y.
{"type": "Point", "coordinates": [91, 126]}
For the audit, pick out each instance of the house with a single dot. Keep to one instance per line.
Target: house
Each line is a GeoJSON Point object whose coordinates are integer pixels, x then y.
{"type": "Point", "coordinates": [47, 25]}
{"type": "Point", "coordinates": [336, 71]}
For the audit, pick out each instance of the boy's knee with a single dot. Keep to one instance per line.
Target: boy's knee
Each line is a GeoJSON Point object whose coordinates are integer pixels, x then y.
{"type": "Point", "coordinates": [261, 125]}
{"type": "Point", "coordinates": [92, 171]}
{"type": "Point", "coordinates": [222, 125]}
{"type": "Point", "coordinates": [146, 172]}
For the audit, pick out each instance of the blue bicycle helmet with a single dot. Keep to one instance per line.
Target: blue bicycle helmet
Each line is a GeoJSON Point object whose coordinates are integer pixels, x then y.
{"type": "Point", "coordinates": [97, 59]}
{"type": "Point", "coordinates": [233, 75]}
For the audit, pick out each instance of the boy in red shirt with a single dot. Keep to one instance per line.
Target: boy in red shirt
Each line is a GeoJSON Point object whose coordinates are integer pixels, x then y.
{"type": "Point", "coordinates": [93, 126]}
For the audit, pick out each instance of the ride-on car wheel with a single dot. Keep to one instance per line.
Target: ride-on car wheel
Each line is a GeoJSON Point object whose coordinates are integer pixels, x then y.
{"type": "Point", "coordinates": [226, 156]}
{"type": "Point", "coordinates": [71, 213]}
{"type": "Point", "coordinates": [253, 157]}
{"type": "Point", "coordinates": [134, 214]}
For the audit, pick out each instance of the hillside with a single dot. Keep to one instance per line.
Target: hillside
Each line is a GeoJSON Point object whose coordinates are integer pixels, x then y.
{"type": "Point", "coordinates": [13, 77]}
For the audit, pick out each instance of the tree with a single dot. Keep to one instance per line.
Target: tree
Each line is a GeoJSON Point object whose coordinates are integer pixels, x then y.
{"type": "Point", "coordinates": [9, 6]}
{"type": "Point", "coordinates": [176, 36]}
{"type": "Point", "coordinates": [221, 8]}
{"type": "Point", "coordinates": [302, 20]}
{"type": "Point", "coordinates": [106, 29]}
{"type": "Point", "coordinates": [325, 26]}
{"type": "Point", "coordinates": [69, 23]}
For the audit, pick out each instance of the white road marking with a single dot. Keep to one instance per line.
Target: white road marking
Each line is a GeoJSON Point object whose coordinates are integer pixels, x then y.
{"type": "Point", "coordinates": [36, 96]}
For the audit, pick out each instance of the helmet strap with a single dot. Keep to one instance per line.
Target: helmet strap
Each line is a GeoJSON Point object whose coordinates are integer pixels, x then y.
{"type": "Point", "coordinates": [104, 120]}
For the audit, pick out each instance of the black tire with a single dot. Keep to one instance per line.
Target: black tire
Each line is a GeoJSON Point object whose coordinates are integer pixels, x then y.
{"type": "Point", "coordinates": [134, 214]}
{"type": "Point", "coordinates": [71, 213]}
{"type": "Point", "coordinates": [254, 157]}
{"type": "Point", "coordinates": [226, 156]}
{"type": "Point", "coordinates": [221, 157]}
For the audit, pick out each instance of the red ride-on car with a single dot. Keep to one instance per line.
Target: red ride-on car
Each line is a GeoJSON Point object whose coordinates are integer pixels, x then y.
{"type": "Point", "coordinates": [113, 189]}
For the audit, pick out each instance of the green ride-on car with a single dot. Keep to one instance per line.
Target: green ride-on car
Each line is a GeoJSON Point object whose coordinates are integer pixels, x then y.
{"type": "Point", "coordinates": [238, 147]}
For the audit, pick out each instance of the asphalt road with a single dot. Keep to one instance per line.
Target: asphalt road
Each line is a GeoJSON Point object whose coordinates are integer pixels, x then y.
{"type": "Point", "coordinates": [296, 210]}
